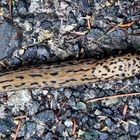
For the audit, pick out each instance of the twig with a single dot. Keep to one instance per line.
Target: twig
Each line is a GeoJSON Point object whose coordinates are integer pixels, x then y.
{"type": "Point", "coordinates": [111, 97]}
{"type": "Point", "coordinates": [74, 126]}
{"type": "Point", "coordinates": [17, 130]}
{"type": "Point", "coordinates": [10, 8]}
{"type": "Point", "coordinates": [126, 24]}
{"type": "Point", "coordinates": [114, 27]}
{"type": "Point", "coordinates": [88, 21]}
{"type": "Point", "coordinates": [20, 117]}
{"type": "Point", "coordinates": [78, 33]}
{"type": "Point", "coordinates": [125, 110]}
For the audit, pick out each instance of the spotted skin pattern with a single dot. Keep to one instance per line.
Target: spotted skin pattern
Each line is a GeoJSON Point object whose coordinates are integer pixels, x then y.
{"type": "Point", "coordinates": [71, 73]}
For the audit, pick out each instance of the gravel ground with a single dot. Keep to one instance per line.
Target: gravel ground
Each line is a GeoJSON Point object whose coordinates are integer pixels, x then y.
{"type": "Point", "coordinates": [47, 31]}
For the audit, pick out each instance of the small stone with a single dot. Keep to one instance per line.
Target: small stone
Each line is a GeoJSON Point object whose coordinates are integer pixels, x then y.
{"type": "Point", "coordinates": [53, 104]}
{"type": "Point", "coordinates": [68, 123]}
{"type": "Point", "coordinates": [40, 128]}
{"type": "Point", "coordinates": [108, 111]}
{"type": "Point", "coordinates": [9, 40]}
{"type": "Point", "coordinates": [65, 134]}
{"type": "Point", "coordinates": [21, 7]}
{"type": "Point", "coordinates": [31, 128]}
{"type": "Point", "coordinates": [46, 116]}
{"type": "Point", "coordinates": [108, 122]}
{"type": "Point", "coordinates": [43, 53]}
{"type": "Point", "coordinates": [92, 92]}
{"type": "Point", "coordinates": [21, 51]}
{"type": "Point", "coordinates": [134, 128]}
{"type": "Point", "coordinates": [84, 119]}
{"type": "Point", "coordinates": [56, 94]}
{"type": "Point", "coordinates": [67, 114]}
{"type": "Point", "coordinates": [67, 28]}
{"type": "Point", "coordinates": [61, 128]}
{"type": "Point", "coordinates": [80, 133]}
{"type": "Point", "coordinates": [6, 125]}
{"type": "Point", "coordinates": [67, 93]}
{"type": "Point", "coordinates": [72, 101]}
{"type": "Point", "coordinates": [91, 134]}
{"type": "Point", "coordinates": [46, 25]}
{"type": "Point", "coordinates": [81, 105]}
{"type": "Point", "coordinates": [2, 113]}
{"type": "Point", "coordinates": [97, 112]}
{"type": "Point", "coordinates": [82, 21]}
{"type": "Point", "coordinates": [45, 92]}
{"type": "Point", "coordinates": [110, 101]}
{"type": "Point", "coordinates": [76, 94]}
{"type": "Point", "coordinates": [49, 136]}
{"type": "Point", "coordinates": [135, 103]}
{"type": "Point", "coordinates": [97, 126]}
{"type": "Point", "coordinates": [124, 137]}
{"type": "Point", "coordinates": [15, 61]}
{"type": "Point", "coordinates": [19, 97]}
{"type": "Point", "coordinates": [103, 136]}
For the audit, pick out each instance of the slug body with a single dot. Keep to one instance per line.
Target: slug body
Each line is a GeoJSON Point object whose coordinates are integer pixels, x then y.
{"type": "Point", "coordinates": [71, 74]}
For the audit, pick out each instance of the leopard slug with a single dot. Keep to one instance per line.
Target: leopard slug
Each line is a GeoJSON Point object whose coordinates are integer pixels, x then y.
{"type": "Point", "coordinates": [71, 74]}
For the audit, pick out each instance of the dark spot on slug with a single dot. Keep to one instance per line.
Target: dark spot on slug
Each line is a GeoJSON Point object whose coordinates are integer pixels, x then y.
{"type": "Point", "coordinates": [129, 65]}
{"type": "Point", "coordinates": [120, 60]}
{"type": "Point", "coordinates": [133, 71]}
{"type": "Point", "coordinates": [54, 73]}
{"type": "Point", "coordinates": [104, 74]}
{"type": "Point", "coordinates": [35, 75]}
{"type": "Point", "coordinates": [128, 59]}
{"type": "Point", "coordinates": [111, 63]}
{"type": "Point", "coordinates": [22, 84]}
{"type": "Point", "coordinates": [107, 68]}
{"type": "Point", "coordinates": [87, 79]}
{"type": "Point", "coordinates": [123, 74]}
{"type": "Point", "coordinates": [129, 55]}
{"type": "Point", "coordinates": [69, 71]}
{"type": "Point", "coordinates": [120, 68]}
{"type": "Point", "coordinates": [63, 65]}
{"type": "Point", "coordinates": [56, 66]}
{"type": "Point", "coordinates": [115, 62]}
{"type": "Point", "coordinates": [101, 64]}
{"type": "Point", "coordinates": [85, 69]}
{"type": "Point", "coordinates": [34, 83]}
{"type": "Point", "coordinates": [20, 77]}
{"type": "Point", "coordinates": [79, 70]}
{"type": "Point", "coordinates": [70, 80]}
{"type": "Point", "coordinates": [134, 62]}
{"type": "Point", "coordinates": [6, 81]}
{"type": "Point", "coordinates": [53, 82]}
{"type": "Point", "coordinates": [4, 87]}
{"type": "Point", "coordinates": [3, 74]}
{"type": "Point", "coordinates": [137, 58]}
